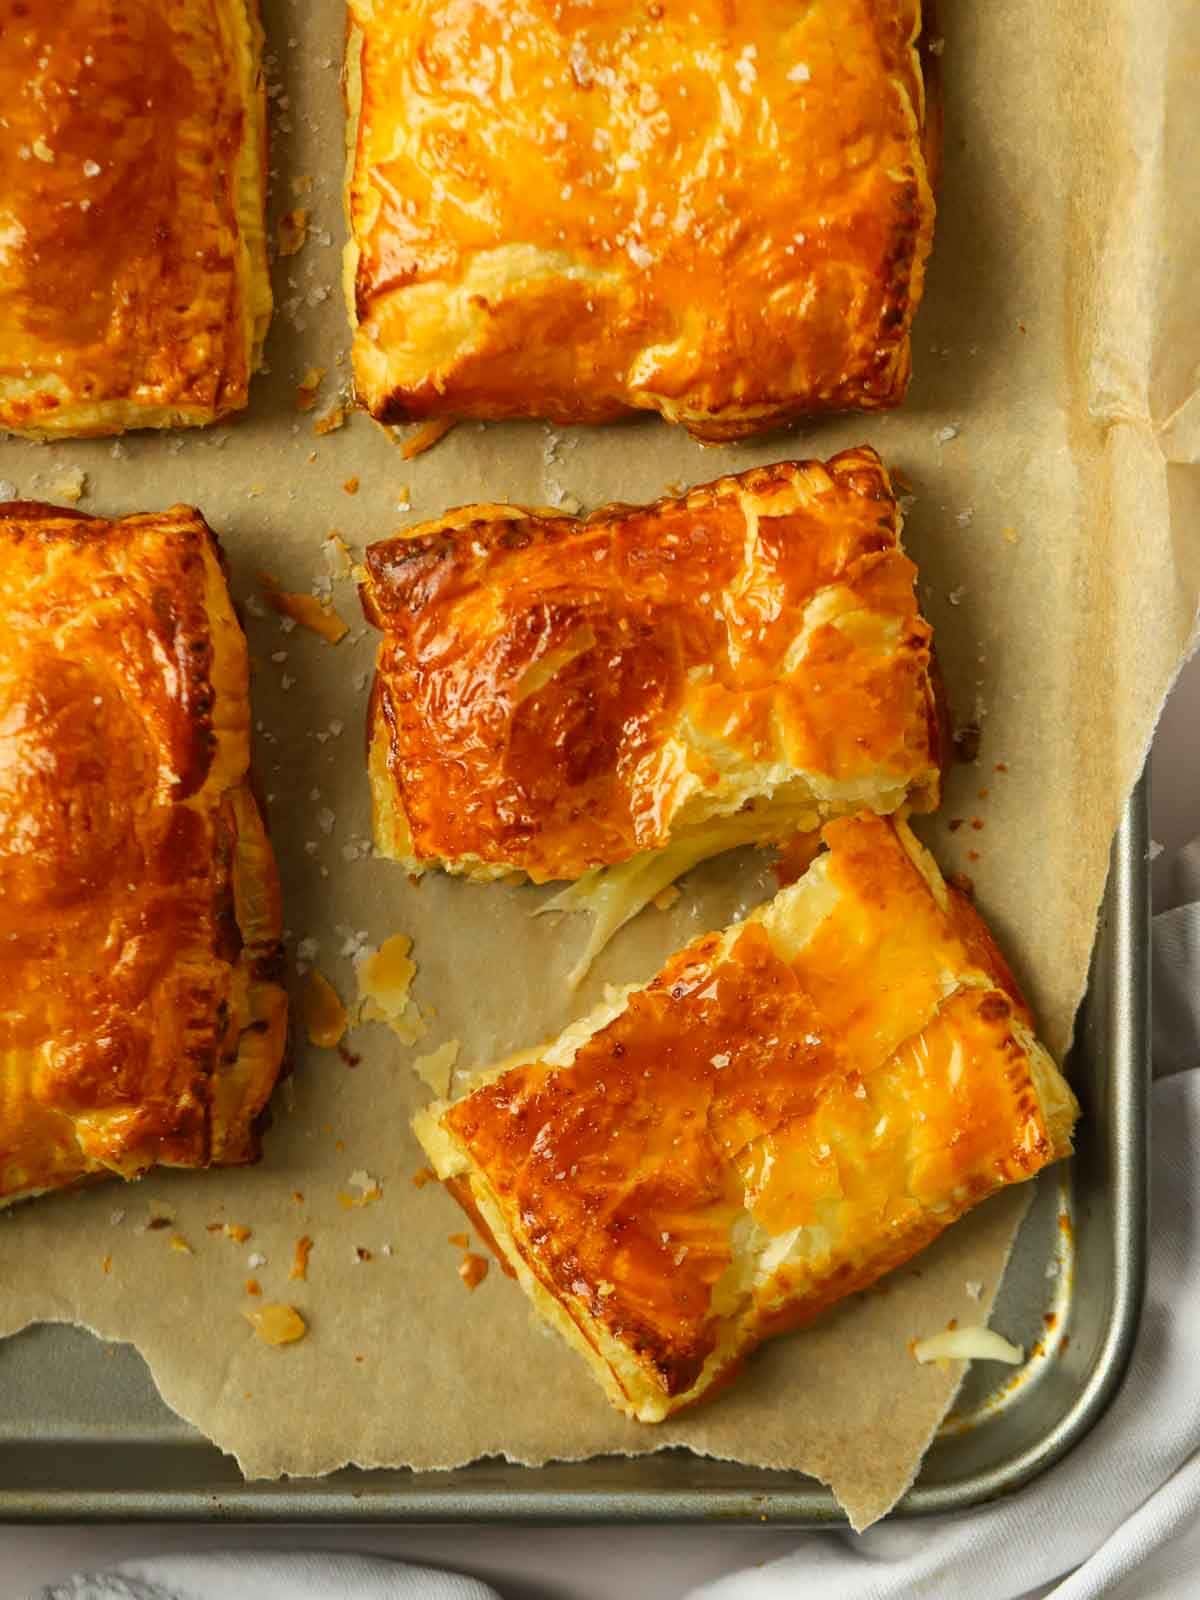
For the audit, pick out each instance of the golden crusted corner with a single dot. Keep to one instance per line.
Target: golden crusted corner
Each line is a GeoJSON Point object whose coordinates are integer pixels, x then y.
{"type": "Point", "coordinates": [621, 1376]}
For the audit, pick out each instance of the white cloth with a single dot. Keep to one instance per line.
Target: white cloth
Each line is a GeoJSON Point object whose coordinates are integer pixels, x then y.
{"type": "Point", "coordinates": [1119, 1518]}
{"type": "Point", "coordinates": [241, 1575]}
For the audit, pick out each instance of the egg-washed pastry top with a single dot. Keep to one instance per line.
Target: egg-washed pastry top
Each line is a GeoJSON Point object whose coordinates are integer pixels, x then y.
{"type": "Point", "coordinates": [790, 1109]}
{"type": "Point", "coordinates": [576, 210]}
{"type": "Point", "coordinates": [134, 290]}
{"type": "Point", "coordinates": [142, 1016]}
{"type": "Point", "coordinates": [556, 694]}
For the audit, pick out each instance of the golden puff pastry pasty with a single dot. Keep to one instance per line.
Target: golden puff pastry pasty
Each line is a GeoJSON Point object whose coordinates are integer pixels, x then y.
{"type": "Point", "coordinates": [576, 211]}
{"type": "Point", "coordinates": [648, 685]}
{"type": "Point", "coordinates": [789, 1110]}
{"type": "Point", "coordinates": [142, 1016]}
{"type": "Point", "coordinates": [134, 290]}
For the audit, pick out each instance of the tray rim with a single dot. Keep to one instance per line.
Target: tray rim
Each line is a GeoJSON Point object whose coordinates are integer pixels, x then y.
{"type": "Point", "coordinates": [433, 1498]}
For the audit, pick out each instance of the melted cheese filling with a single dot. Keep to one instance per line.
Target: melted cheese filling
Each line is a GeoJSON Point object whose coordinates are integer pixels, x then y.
{"type": "Point", "coordinates": [968, 1344]}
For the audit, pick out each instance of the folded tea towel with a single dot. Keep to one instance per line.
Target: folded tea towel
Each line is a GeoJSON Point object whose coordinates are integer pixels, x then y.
{"type": "Point", "coordinates": [244, 1575]}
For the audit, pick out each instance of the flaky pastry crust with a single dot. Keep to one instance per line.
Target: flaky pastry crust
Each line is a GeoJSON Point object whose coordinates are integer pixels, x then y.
{"type": "Point", "coordinates": [789, 1110]}
{"type": "Point", "coordinates": [556, 694]}
{"type": "Point", "coordinates": [134, 288]}
{"type": "Point", "coordinates": [142, 1016]}
{"type": "Point", "coordinates": [576, 211]}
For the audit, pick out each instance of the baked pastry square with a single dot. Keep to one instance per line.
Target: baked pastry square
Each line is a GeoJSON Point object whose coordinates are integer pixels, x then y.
{"type": "Point", "coordinates": [134, 290]}
{"type": "Point", "coordinates": [721, 213]}
{"type": "Point", "coordinates": [651, 684]}
{"type": "Point", "coordinates": [143, 1017]}
{"type": "Point", "coordinates": [789, 1110]}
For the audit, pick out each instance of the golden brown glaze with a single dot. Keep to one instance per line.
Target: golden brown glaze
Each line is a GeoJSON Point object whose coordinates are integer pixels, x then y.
{"type": "Point", "coordinates": [555, 694]}
{"type": "Point", "coordinates": [133, 274]}
{"type": "Point", "coordinates": [787, 1111]}
{"type": "Point", "coordinates": [143, 1017]}
{"type": "Point", "coordinates": [576, 210]}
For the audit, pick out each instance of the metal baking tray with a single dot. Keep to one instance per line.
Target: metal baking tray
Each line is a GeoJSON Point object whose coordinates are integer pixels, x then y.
{"type": "Point", "coordinates": [84, 1436]}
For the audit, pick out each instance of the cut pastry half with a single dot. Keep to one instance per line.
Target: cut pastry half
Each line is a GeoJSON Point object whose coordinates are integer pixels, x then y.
{"type": "Point", "coordinates": [790, 1109]}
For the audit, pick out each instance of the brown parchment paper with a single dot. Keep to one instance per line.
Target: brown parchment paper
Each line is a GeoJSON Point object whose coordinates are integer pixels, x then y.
{"type": "Point", "coordinates": [1051, 439]}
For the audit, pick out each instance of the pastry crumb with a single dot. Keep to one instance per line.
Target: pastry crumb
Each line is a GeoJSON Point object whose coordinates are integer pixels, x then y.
{"type": "Point", "coordinates": [325, 1018]}
{"type": "Point", "coordinates": [252, 1286]}
{"type": "Point", "coordinates": [461, 1241]}
{"type": "Point", "coordinates": [426, 436]}
{"type": "Point", "coordinates": [293, 231]}
{"type": "Point", "coordinates": [317, 616]}
{"type": "Point", "coordinates": [384, 979]}
{"type": "Point", "coordinates": [306, 389]}
{"type": "Point", "coordinates": [105, 1264]}
{"type": "Point", "coordinates": [422, 1176]}
{"type": "Point", "coordinates": [179, 1243]}
{"type": "Point", "coordinates": [276, 1323]}
{"type": "Point", "coordinates": [350, 486]}
{"type": "Point", "coordinates": [473, 1269]}
{"type": "Point", "coordinates": [330, 421]}
{"type": "Point", "coordinates": [435, 1068]}
{"type": "Point", "coordinates": [355, 1202]}
{"type": "Point", "coordinates": [337, 555]}
{"type": "Point", "coordinates": [71, 487]}
{"type": "Point", "coordinates": [299, 1267]}
{"type": "Point", "coordinates": [666, 898]}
